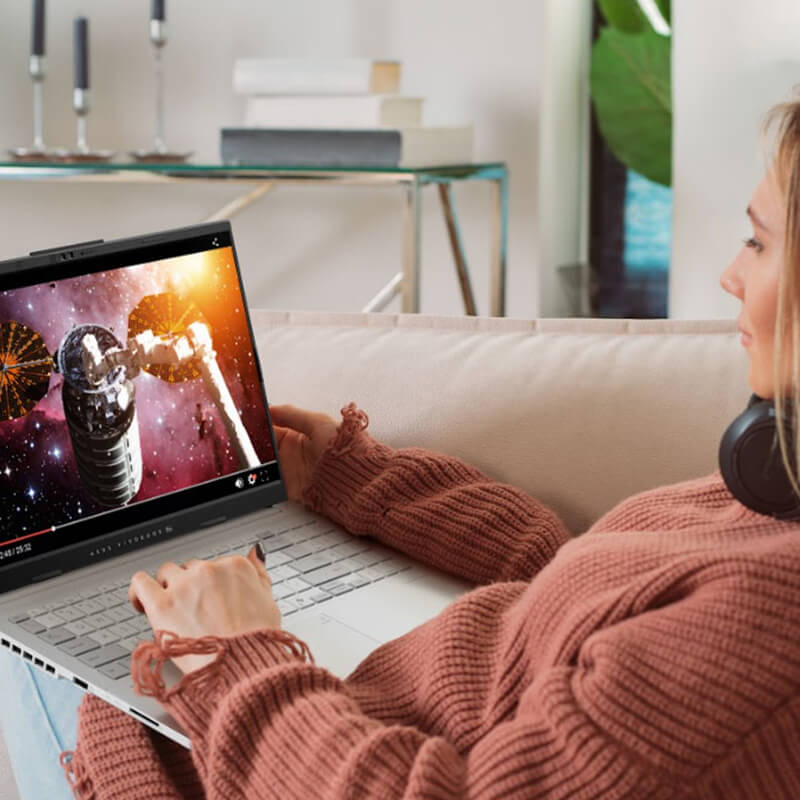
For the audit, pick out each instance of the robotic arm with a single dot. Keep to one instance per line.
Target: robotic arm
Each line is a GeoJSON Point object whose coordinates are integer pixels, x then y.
{"type": "Point", "coordinates": [147, 349]}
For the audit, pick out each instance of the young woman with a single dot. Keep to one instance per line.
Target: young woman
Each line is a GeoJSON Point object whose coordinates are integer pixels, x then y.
{"type": "Point", "coordinates": [655, 656]}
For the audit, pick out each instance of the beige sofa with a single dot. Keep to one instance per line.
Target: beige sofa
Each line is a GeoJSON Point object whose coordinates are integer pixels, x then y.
{"type": "Point", "coordinates": [580, 413]}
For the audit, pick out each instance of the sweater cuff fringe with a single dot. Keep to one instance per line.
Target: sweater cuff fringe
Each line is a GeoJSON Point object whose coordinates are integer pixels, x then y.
{"type": "Point", "coordinates": [76, 775]}
{"type": "Point", "coordinates": [148, 659]}
{"type": "Point", "coordinates": [354, 420]}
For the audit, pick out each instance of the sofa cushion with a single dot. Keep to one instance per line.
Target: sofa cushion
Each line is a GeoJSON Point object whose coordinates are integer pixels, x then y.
{"type": "Point", "coordinates": [581, 413]}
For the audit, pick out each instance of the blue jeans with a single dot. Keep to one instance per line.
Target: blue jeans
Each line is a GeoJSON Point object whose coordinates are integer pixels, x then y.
{"type": "Point", "coordinates": [39, 718]}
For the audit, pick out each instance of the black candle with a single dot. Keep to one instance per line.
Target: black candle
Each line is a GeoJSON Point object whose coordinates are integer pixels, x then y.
{"type": "Point", "coordinates": [158, 10]}
{"type": "Point", "coordinates": [81, 53]}
{"type": "Point", "coordinates": [37, 29]}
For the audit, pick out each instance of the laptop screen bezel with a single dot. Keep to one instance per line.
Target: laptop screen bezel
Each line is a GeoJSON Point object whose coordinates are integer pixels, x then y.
{"type": "Point", "coordinates": [73, 260]}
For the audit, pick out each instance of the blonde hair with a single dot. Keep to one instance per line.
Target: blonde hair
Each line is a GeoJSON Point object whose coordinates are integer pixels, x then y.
{"type": "Point", "coordinates": [786, 117]}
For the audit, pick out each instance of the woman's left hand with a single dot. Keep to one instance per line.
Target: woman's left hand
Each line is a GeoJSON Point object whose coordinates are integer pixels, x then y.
{"type": "Point", "coordinates": [224, 597]}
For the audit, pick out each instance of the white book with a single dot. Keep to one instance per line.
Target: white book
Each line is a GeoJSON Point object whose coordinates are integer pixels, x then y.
{"type": "Point", "coordinates": [333, 111]}
{"type": "Point", "coordinates": [315, 76]}
{"type": "Point", "coordinates": [432, 147]}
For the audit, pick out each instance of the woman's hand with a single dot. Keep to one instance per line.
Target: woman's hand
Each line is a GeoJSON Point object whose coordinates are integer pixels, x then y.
{"type": "Point", "coordinates": [225, 597]}
{"type": "Point", "coordinates": [302, 437]}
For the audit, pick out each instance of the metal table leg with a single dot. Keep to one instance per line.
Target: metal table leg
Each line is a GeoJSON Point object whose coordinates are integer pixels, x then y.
{"type": "Point", "coordinates": [499, 248]}
{"type": "Point", "coordinates": [240, 203]}
{"type": "Point", "coordinates": [411, 246]}
{"type": "Point", "coordinates": [385, 295]}
{"type": "Point", "coordinates": [451, 220]}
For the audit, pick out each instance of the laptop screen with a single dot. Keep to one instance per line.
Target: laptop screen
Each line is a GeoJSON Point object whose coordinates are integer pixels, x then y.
{"type": "Point", "coordinates": [129, 389]}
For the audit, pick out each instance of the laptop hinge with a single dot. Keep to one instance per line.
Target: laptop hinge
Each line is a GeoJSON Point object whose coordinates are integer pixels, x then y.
{"type": "Point", "coordinates": [68, 247]}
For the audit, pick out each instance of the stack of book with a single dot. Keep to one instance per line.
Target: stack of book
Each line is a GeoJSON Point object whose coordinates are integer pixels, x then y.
{"type": "Point", "coordinates": [335, 112]}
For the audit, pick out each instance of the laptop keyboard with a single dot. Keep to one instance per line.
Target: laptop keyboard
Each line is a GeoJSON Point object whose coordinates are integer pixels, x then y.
{"type": "Point", "coordinates": [308, 564]}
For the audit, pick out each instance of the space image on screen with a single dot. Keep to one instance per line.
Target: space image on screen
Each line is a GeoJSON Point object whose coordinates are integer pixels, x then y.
{"type": "Point", "coordinates": [119, 387]}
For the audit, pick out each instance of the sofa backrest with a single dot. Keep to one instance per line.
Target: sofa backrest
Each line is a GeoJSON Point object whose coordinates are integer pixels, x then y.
{"type": "Point", "coordinates": [580, 413]}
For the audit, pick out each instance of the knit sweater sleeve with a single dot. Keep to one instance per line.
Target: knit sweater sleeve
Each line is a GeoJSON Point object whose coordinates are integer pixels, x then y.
{"type": "Point", "coordinates": [619, 715]}
{"type": "Point", "coordinates": [432, 506]}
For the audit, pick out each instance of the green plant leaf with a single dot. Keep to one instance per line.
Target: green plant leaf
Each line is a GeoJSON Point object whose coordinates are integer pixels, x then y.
{"type": "Point", "coordinates": [625, 15]}
{"type": "Point", "coordinates": [665, 7]}
{"type": "Point", "coordinates": [631, 88]}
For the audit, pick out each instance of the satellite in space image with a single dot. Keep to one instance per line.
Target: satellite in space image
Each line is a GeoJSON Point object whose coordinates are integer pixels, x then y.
{"type": "Point", "coordinates": [123, 385]}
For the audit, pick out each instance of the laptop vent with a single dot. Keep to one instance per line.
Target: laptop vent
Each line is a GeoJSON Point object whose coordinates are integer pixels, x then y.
{"type": "Point", "coordinates": [28, 656]}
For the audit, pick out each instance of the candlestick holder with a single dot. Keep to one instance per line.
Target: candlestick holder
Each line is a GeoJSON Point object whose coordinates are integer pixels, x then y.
{"type": "Point", "coordinates": [82, 152]}
{"type": "Point", "coordinates": [36, 69]}
{"type": "Point", "coordinates": [80, 101]}
{"type": "Point", "coordinates": [160, 154]}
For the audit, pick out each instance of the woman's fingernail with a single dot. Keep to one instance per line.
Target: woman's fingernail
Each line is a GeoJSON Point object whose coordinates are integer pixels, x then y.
{"type": "Point", "coordinates": [260, 552]}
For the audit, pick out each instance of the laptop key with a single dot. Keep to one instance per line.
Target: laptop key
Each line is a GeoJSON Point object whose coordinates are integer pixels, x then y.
{"type": "Point", "coordinates": [37, 611]}
{"type": "Point", "coordinates": [103, 637]}
{"type": "Point", "coordinates": [122, 630]}
{"type": "Point", "coordinates": [303, 600]}
{"type": "Point", "coordinates": [103, 655]}
{"type": "Point", "coordinates": [17, 618]}
{"type": "Point", "coordinates": [130, 644]}
{"type": "Point", "coordinates": [328, 540]}
{"type": "Point", "coordinates": [141, 623]}
{"type": "Point", "coordinates": [49, 620]}
{"type": "Point", "coordinates": [79, 627]}
{"type": "Point", "coordinates": [295, 584]}
{"type": "Point", "coordinates": [79, 646]}
{"type": "Point", "coordinates": [278, 542]}
{"type": "Point", "coordinates": [121, 613]}
{"type": "Point", "coordinates": [336, 587]}
{"type": "Point", "coordinates": [69, 614]}
{"type": "Point", "coordinates": [287, 607]}
{"type": "Point", "coordinates": [299, 550]}
{"type": "Point", "coordinates": [98, 621]}
{"type": "Point", "coordinates": [350, 564]}
{"type": "Point", "coordinates": [325, 574]}
{"type": "Point", "coordinates": [313, 562]}
{"type": "Point", "coordinates": [56, 635]}
{"type": "Point", "coordinates": [282, 573]}
{"type": "Point", "coordinates": [116, 669]}
{"type": "Point", "coordinates": [389, 567]}
{"type": "Point", "coordinates": [89, 607]}
{"type": "Point", "coordinates": [372, 574]}
{"type": "Point", "coordinates": [347, 549]}
{"type": "Point", "coordinates": [278, 559]}
{"type": "Point", "coordinates": [318, 596]}
{"type": "Point", "coordinates": [32, 626]}
{"type": "Point", "coordinates": [108, 601]}
{"type": "Point", "coordinates": [357, 580]}
{"type": "Point", "coordinates": [280, 591]}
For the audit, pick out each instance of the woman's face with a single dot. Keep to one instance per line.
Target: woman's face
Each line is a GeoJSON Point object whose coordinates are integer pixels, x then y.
{"type": "Point", "coordinates": [753, 278]}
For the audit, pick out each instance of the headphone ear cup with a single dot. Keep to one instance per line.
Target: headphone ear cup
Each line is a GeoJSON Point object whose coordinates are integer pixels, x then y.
{"type": "Point", "coordinates": [751, 465]}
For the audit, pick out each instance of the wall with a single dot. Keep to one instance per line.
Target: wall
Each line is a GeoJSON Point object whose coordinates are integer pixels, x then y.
{"type": "Point", "coordinates": [299, 247]}
{"type": "Point", "coordinates": [731, 62]}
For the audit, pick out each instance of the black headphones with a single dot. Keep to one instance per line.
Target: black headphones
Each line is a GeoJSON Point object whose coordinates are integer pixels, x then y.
{"type": "Point", "coordinates": [750, 461]}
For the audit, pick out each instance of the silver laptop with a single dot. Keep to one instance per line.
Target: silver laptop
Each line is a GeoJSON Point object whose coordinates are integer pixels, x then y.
{"type": "Point", "coordinates": [134, 430]}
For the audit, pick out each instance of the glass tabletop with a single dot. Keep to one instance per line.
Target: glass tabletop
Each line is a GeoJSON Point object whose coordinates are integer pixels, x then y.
{"type": "Point", "coordinates": [461, 171]}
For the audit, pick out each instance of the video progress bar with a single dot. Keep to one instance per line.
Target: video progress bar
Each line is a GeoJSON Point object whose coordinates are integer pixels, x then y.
{"type": "Point", "coordinates": [29, 535]}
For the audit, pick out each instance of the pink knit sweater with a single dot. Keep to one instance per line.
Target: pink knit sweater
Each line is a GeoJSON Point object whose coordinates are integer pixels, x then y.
{"type": "Point", "coordinates": [655, 656]}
